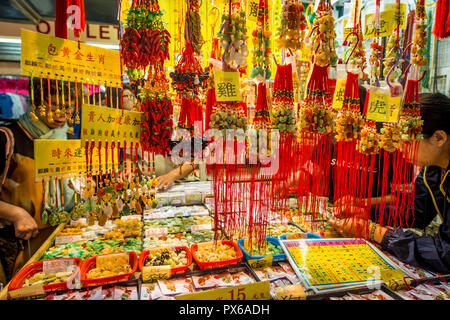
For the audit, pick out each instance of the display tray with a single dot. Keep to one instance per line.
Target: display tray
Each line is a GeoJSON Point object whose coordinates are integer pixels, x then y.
{"type": "Point", "coordinates": [129, 283]}
{"type": "Point", "coordinates": [358, 291]}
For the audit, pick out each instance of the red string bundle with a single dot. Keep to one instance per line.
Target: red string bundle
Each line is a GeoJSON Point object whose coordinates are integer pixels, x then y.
{"type": "Point", "coordinates": [62, 7]}
{"type": "Point", "coordinates": [441, 27]}
{"type": "Point", "coordinates": [315, 126]}
{"type": "Point", "coordinates": [283, 121]}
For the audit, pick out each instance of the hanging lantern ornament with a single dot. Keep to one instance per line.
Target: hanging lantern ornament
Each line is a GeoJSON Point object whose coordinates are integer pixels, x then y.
{"type": "Point", "coordinates": [292, 26]}
{"type": "Point", "coordinates": [261, 44]}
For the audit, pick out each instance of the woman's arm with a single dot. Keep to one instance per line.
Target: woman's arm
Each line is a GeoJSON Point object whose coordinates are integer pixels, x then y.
{"type": "Point", "coordinates": [432, 253]}
{"type": "Point", "coordinates": [24, 224]}
{"type": "Point", "coordinates": [168, 179]}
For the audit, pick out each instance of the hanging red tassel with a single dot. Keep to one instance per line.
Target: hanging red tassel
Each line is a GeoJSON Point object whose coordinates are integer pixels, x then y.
{"type": "Point", "coordinates": [62, 7]}
{"type": "Point", "coordinates": [441, 27]}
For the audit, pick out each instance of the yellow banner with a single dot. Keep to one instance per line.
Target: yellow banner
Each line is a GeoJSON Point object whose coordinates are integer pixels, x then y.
{"type": "Point", "coordinates": [252, 10]}
{"type": "Point", "coordinates": [47, 55]}
{"type": "Point", "coordinates": [338, 99]}
{"type": "Point", "coordinates": [377, 109]}
{"type": "Point", "coordinates": [108, 124]}
{"type": "Point", "coordinates": [227, 86]}
{"type": "Point", "coordinates": [386, 25]}
{"type": "Point", "coordinates": [252, 291]}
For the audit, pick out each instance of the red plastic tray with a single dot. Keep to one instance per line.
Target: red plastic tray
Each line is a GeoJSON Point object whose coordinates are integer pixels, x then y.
{"type": "Point", "coordinates": [182, 269]}
{"type": "Point", "coordinates": [90, 264]}
{"type": "Point", "coordinates": [217, 264]}
{"type": "Point", "coordinates": [31, 269]}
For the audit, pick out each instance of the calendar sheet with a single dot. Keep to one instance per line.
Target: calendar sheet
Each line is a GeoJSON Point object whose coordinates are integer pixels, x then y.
{"type": "Point", "coordinates": [325, 264]}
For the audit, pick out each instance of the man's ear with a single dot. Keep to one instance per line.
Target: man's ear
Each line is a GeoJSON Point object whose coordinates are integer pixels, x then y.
{"type": "Point", "coordinates": [440, 138]}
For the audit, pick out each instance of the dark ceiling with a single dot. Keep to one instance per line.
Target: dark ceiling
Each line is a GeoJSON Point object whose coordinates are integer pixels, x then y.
{"type": "Point", "coordinates": [96, 11]}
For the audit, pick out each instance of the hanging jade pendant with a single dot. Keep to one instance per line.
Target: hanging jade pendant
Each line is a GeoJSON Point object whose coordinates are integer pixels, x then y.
{"type": "Point", "coordinates": [53, 219]}
{"type": "Point", "coordinates": [63, 217]}
{"type": "Point", "coordinates": [44, 216]}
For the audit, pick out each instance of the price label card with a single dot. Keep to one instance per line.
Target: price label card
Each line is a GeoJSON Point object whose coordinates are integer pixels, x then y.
{"type": "Point", "coordinates": [134, 216]}
{"type": "Point", "coordinates": [156, 232]}
{"type": "Point", "coordinates": [394, 279]}
{"type": "Point", "coordinates": [261, 263]}
{"type": "Point", "coordinates": [77, 222]}
{"type": "Point", "coordinates": [346, 30]}
{"type": "Point", "coordinates": [378, 107]}
{"type": "Point", "coordinates": [68, 239]}
{"type": "Point", "coordinates": [290, 292]}
{"type": "Point", "coordinates": [338, 99]}
{"type": "Point", "coordinates": [298, 235]}
{"type": "Point", "coordinates": [305, 54]}
{"type": "Point", "coordinates": [395, 105]}
{"type": "Point", "coordinates": [227, 86]}
{"type": "Point", "coordinates": [27, 292]}
{"type": "Point", "coordinates": [153, 273]}
{"type": "Point", "coordinates": [54, 266]}
{"type": "Point", "coordinates": [199, 227]}
{"type": "Point", "coordinates": [252, 291]}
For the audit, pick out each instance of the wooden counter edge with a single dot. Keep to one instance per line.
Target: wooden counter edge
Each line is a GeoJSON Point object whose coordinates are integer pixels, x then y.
{"type": "Point", "coordinates": [36, 256]}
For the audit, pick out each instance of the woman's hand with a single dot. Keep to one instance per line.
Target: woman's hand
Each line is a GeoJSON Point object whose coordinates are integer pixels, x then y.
{"type": "Point", "coordinates": [166, 180]}
{"type": "Point", "coordinates": [348, 206]}
{"type": "Point", "coordinates": [351, 227]}
{"type": "Point", "coordinates": [24, 224]}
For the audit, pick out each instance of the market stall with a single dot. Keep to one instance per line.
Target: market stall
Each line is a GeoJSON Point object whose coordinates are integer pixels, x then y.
{"type": "Point", "coordinates": [275, 157]}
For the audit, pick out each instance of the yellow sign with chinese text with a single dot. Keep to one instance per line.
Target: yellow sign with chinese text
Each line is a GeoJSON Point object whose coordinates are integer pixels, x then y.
{"type": "Point", "coordinates": [153, 273]}
{"type": "Point", "coordinates": [377, 109]}
{"type": "Point", "coordinates": [290, 292]}
{"type": "Point", "coordinates": [108, 124]}
{"type": "Point", "coordinates": [390, 7]}
{"type": "Point", "coordinates": [264, 262]}
{"type": "Point", "coordinates": [227, 86]}
{"type": "Point", "coordinates": [58, 157]}
{"type": "Point", "coordinates": [386, 26]}
{"type": "Point", "coordinates": [252, 291]}
{"type": "Point", "coordinates": [47, 55]}
{"type": "Point", "coordinates": [66, 157]}
{"type": "Point", "coordinates": [338, 99]}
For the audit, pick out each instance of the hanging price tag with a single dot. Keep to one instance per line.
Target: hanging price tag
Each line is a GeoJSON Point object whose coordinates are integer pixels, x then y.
{"type": "Point", "coordinates": [252, 291]}
{"type": "Point", "coordinates": [153, 273]}
{"type": "Point", "coordinates": [156, 232]}
{"type": "Point", "coordinates": [290, 292]}
{"type": "Point", "coordinates": [227, 86]}
{"type": "Point", "coordinates": [395, 104]}
{"type": "Point", "coordinates": [378, 107]}
{"type": "Point", "coordinates": [261, 263]}
{"type": "Point", "coordinates": [338, 99]}
{"type": "Point", "coordinates": [305, 54]}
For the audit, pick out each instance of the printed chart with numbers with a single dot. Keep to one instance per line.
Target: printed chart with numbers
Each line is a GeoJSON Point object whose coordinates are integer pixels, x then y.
{"type": "Point", "coordinates": [324, 264]}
